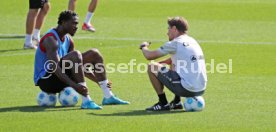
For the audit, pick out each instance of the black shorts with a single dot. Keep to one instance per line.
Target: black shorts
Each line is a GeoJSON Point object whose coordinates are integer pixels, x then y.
{"type": "Point", "coordinates": [36, 4]}
{"type": "Point", "coordinates": [50, 83]}
{"type": "Point", "coordinates": [172, 81]}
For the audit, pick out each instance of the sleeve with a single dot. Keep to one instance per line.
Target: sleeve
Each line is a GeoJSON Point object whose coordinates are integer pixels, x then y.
{"type": "Point", "coordinates": [168, 48]}
{"type": "Point", "coordinates": [42, 48]}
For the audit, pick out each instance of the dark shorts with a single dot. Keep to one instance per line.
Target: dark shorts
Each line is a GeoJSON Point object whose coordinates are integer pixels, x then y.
{"type": "Point", "coordinates": [172, 81]}
{"type": "Point", "coordinates": [36, 4]}
{"type": "Point", "coordinates": [50, 83]}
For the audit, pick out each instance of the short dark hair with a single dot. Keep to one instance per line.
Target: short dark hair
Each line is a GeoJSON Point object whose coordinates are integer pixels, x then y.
{"type": "Point", "coordinates": [180, 23]}
{"type": "Point", "coordinates": [66, 15]}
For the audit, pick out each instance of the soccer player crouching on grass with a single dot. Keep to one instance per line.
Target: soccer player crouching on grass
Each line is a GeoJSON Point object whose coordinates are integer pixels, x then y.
{"type": "Point", "coordinates": [187, 74]}
{"type": "Point", "coordinates": [56, 47]}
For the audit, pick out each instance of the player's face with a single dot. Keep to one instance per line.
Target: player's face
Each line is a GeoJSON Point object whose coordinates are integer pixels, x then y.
{"type": "Point", "coordinates": [72, 26]}
{"type": "Point", "coordinates": [170, 33]}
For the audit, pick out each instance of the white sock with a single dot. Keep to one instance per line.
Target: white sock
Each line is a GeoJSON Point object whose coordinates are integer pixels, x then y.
{"type": "Point", "coordinates": [88, 17]}
{"type": "Point", "coordinates": [87, 97]}
{"type": "Point", "coordinates": [83, 84]}
{"type": "Point", "coordinates": [37, 34]}
{"type": "Point", "coordinates": [106, 91]}
{"type": "Point", "coordinates": [28, 39]}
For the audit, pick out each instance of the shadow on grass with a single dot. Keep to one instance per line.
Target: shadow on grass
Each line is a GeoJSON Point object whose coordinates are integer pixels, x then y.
{"type": "Point", "coordinates": [12, 36]}
{"type": "Point", "coordinates": [3, 37]}
{"type": "Point", "coordinates": [8, 50]}
{"type": "Point", "coordinates": [139, 113]}
{"type": "Point", "coordinates": [37, 109]}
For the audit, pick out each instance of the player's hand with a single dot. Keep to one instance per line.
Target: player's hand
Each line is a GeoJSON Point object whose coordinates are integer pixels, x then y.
{"type": "Point", "coordinates": [82, 89]}
{"type": "Point", "coordinates": [109, 84]}
{"type": "Point", "coordinates": [144, 44]}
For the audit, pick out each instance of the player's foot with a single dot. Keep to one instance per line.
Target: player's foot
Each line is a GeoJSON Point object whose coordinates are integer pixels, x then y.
{"type": "Point", "coordinates": [88, 27]}
{"type": "Point", "coordinates": [90, 105]}
{"type": "Point", "coordinates": [29, 46]}
{"type": "Point", "coordinates": [159, 107]}
{"type": "Point", "coordinates": [176, 106]}
{"type": "Point", "coordinates": [113, 100]}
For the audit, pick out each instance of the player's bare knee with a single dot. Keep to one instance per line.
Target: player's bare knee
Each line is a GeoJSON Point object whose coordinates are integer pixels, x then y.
{"type": "Point", "coordinates": [94, 51]}
{"type": "Point", "coordinates": [153, 68]}
{"type": "Point", "coordinates": [96, 54]}
{"type": "Point", "coordinates": [33, 12]}
{"type": "Point", "coordinates": [46, 8]}
{"type": "Point", "coordinates": [77, 56]}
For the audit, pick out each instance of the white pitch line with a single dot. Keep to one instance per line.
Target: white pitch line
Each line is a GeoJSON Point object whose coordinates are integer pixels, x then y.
{"type": "Point", "coordinates": [160, 40]}
{"type": "Point", "coordinates": [234, 42]}
{"type": "Point", "coordinates": [9, 37]}
{"type": "Point", "coordinates": [12, 35]}
{"type": "Point", "coordinates": [16, 54]}
{"type": "Point", "coordinates": [137, 39]}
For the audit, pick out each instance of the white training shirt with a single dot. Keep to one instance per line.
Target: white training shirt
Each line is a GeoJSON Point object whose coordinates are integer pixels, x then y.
{"type": "Point", "coordinates": [188, 61]}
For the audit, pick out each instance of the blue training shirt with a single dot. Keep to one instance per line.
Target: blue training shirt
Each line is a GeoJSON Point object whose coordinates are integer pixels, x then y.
{"type": "Point", "coordinates": [40, 55]}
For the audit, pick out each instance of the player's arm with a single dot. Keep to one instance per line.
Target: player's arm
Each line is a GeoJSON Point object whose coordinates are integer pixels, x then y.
{"type": "Point", "coordinates": [168, 48]}
{"type": "Point", "coordinates": [51, 48]}
{"type": "Point", "coordinates": [150, 54]}
{"type": "Point", "coordinates": [72, 46]}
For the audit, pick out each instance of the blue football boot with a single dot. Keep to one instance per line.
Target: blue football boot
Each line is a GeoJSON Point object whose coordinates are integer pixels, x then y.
{"type": "Point", "coordinates": [113, 100]}
{"type": "Point", "coordinates": [90, 105]}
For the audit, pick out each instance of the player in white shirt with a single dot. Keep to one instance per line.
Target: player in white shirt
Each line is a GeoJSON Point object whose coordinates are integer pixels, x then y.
{"type": "Point", "coordinates": [187, 74]}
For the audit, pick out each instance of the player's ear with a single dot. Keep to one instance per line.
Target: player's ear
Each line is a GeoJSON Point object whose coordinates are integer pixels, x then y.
{"type": "Point", "coordinates": [174, 28]}
{"type": "Point", "coordinates": [63, 22]}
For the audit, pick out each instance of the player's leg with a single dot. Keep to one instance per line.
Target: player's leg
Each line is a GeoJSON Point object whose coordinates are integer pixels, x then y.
{"type": "Point", "coordinates": [40, 20]}
{"type": "Point", "coordinates": [87, 22]}
{"type": "Point", "coordinates": [172, 81]}
{"type": "Point", "coordinates": [92, 6]}
{"type": "Point", "coordinates": [153, 70]}
{"type": "Point", "coordinates": [72, 5]}
{"type": "Point", "coordinates": [94, 58]}
{"type": "Point", "coordinates": [176, 103]}
{"type": "Point", "coordinates": [51, 84]}
{"type": "Point", "coordinates": [74, 61]}
{"type": "Point", "coordinates": [30, 22]}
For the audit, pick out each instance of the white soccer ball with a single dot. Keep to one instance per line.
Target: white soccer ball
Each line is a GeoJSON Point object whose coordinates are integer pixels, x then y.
{"type": "Point", "coordinates": [68, 97]}
{"type": "Point", "coordinates": [196, 103]}
{"type": "Point", "coordinates": [44, 99]}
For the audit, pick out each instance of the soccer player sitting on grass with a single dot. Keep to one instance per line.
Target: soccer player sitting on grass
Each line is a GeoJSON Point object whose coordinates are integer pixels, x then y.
{"type": "Point", "coordinates": [55, 50]}
{"type": "Point", "coordinates": [187, 74]}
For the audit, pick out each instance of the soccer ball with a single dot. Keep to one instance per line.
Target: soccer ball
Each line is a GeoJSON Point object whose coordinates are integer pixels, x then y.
{"type": "Point", "coordinates": [44, 99]}
{"type": "Point", "coordinates": [68, 97]}
{"type": "Point", "coordinates": [196, 103]}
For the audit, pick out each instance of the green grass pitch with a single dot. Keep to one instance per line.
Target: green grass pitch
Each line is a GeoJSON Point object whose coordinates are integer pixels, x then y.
{"type": "Point", "coordinates": [241, 30]}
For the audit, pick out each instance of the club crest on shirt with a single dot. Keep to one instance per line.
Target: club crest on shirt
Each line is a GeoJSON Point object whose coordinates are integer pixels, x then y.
{"type": "Point", "coordinates": [194, 58]}
{"type": "Point", "coordinates": [185, 44]}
